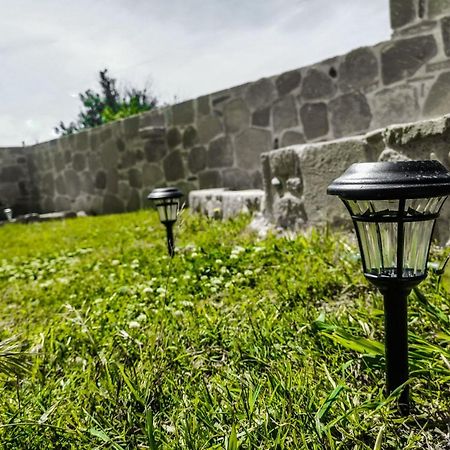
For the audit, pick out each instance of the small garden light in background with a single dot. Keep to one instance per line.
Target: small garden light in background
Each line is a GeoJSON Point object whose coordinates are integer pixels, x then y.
{"type": "Point", "coordinates": [167, 202]}
{"type": "Point", "coordinates": [394, 206]}
{"type": "Point", "coordinates": [8, 214]}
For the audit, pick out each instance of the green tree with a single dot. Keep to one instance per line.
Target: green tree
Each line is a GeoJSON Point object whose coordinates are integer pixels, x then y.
{"type": "Point", "coordinates": [108, 105]}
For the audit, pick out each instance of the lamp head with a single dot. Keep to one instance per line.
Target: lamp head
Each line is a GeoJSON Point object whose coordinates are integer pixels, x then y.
{"type": "Point", "coordinates": [167, 202]}
{"type": "Point", "coordinates": [394, 206]}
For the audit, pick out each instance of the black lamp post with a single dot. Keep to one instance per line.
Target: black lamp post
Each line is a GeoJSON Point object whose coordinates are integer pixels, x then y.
{"type": "Point", "coordinates": [167, 202]}
{"type": "Point", "coordinates": [394, 206]}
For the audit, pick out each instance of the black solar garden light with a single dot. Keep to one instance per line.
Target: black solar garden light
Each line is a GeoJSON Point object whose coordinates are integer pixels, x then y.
{"type": "Point", "coordinates": [394, 206]}
{"type": "Point", "coordinates": [167, 202]}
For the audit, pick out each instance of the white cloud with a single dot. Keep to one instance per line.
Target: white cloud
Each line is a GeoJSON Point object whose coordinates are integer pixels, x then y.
{"type": "Point", "coordinates": [52, 49]}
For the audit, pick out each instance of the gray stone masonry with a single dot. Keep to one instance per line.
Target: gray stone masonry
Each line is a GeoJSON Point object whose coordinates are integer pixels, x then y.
{"type": "Point", "coordinates": [215, 141]}
{"type": "Point", "coordinates": [222, 204]}
{"type": "Point", "coordinates": [296, 177]}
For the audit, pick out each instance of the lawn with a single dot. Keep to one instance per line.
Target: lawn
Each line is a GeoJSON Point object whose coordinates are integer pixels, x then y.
{"type": "Point", "coordinates": [236, 343]}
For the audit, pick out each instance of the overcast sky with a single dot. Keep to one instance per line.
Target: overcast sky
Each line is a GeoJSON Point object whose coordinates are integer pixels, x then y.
{"type": "Point", "coordinates": [50, 50]}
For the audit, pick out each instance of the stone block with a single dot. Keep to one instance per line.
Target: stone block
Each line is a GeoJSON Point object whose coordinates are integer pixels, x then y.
{"type": "Point", "coordinates": [358, 70]}
{"type": "Point", "coordinates": [282, 163]}
{"type": "Point", "coordinates": [78, 162]}
{"type": "Point", "coordinates": [284, 114]}
{"type": "Point", "coordinates": [60, 185]}
{"type": "Point", "coordinates": [173, 166]}
{"type": "Point", "coordinates": [208, 127]}
{"type": "Point", "coordinates": [128, 159]}
{"type": "Point", "coordinates": [120, 143]}
{"type": "Point", "coordinates": [234, 178]}
{"type": "Point", "coordinates": [112, 204]}
{"type": "Point", "coordinates": [249, 145]}
{"type": "Point", "coordinates": [261, 93]}
{"type": "Point", "coordinates": [48, 184]}
{"type": "Point", "coordinates": [209, 179]}
{"type": "Point", "coordinates": [183, 113]}
{"type": "Point", "coordinates": [100, 180]}
{"type": "Point", "coordinates": [155, 149]}
{"type": "Point", "coordinates": [220, 153]}
{"type": "Point", "coordinates": [73, 185]}
{"type": "Point", "coordinates": [94, 138]}
{"type": "Point", "coordinates": [190, 137]}
{"type": "Point", "coordinates": [109, 155]}
{"type": "Point", "coordinates": [112, 181]}
{"type": "Point", "coordinates": [236, 115]}
{"type": "Point", "coordinates": [222, 203]}
{"type": "Point", "coordinates": [151, 175]}
{"type": "Point", "coordinates": [445, 28]}
{"type": "Point", "coordinates": [153, 118]}
{"type": "Point", "coordinates": [153, 133]}
{"type": "Point", "coordinates": [402, 12]}
{"type": "Point", "coordinates": [350, 114]}
{"type": "Point", "coordinates": [135, 178]}
{"type": "Point", "coordinates": [289, 212]}
{"type": "Point", "coordinates": [134, 200]}
{"type": "Point", "coordinates": [317, 85]}
{"type": "Point", "coordinates": [11, 174]}
{"type": "Point", "coordinates": [261, 117]}
{"type": "Point", "coordinates": [287, 82]}
{"type": "Point", "coordinates": [173, 137]}
{"type": "Point", "coordinates": [404, 57]}
{"type": "Point", "coordinates": [438, 8]}
{"type": "Point", "coordinates": [410, 134]}
{"type": "Point", "coordinates": [315, 120]}
{"type": "Point", "coordinates": [197, 159]}
{"type": "Point", "coordinates": [305, 171]}
{"type": "Point", "coordinates": [394, 105]}
{"type": "Point", "coordinates": [292, 138]}
{"type": "Point", "coordinates": [203, 108]}
{"type": "Point", "coordinates": [130, 126]}
{"type": "Point", "coordinates": [62, 203]}
{"type": "Point", "coordinates": [82, 140]}
{"type": "Point", "coordinates": [87, 183]}
{"type": "Point", "coordinates": [437, 102]}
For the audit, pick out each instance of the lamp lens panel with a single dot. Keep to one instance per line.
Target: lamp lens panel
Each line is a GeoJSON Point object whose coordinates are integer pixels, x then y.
{"type": "Point", "coordinates": [420, 206]}
{"type": "Point", "coordinates": [417, 239]}
{"type": "Point", "coordinates": [379, 247]}
{"type": "Point", "coordinates": [372, 208]}
{"type": "Point", "coordinates": [167, 209]}
{"type": "Point", "coordinates": [369, 248]}
{"type": "Point", "coordinates": [378, 223]}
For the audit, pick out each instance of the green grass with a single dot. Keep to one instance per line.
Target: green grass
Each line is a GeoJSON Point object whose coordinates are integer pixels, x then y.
{"type": "Point", "coordinates": [236, 343]}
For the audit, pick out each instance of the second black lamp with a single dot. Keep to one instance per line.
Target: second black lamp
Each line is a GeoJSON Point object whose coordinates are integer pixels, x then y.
{"type": "Point", "coordinates": [167, 203]}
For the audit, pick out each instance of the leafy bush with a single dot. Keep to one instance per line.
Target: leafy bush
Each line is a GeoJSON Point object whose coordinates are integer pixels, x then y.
{"type": "Point", "coordinates": [108, 105]}
{"type": "Point", "coordinates": [236, 343]}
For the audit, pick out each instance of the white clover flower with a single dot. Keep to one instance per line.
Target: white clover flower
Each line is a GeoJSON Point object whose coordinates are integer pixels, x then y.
{"type": "Point", "coordinates": [115, 262]}
{"type": "Point", "coordinates": [134, 324]}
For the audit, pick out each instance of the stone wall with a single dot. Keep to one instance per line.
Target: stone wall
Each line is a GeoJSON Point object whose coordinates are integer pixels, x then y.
{"type": "Point", "coordinates": [216, 140]}
{"type": "Point", "coordinates": [296, 178]}
{"type": "Point", "coordinates": [15, 187]}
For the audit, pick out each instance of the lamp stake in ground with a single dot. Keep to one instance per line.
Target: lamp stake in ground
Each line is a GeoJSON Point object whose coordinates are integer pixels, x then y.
{"type": "Point", "coordinates": [167, 202]}
{"type": "Point", "coordinates": [394, 206]}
